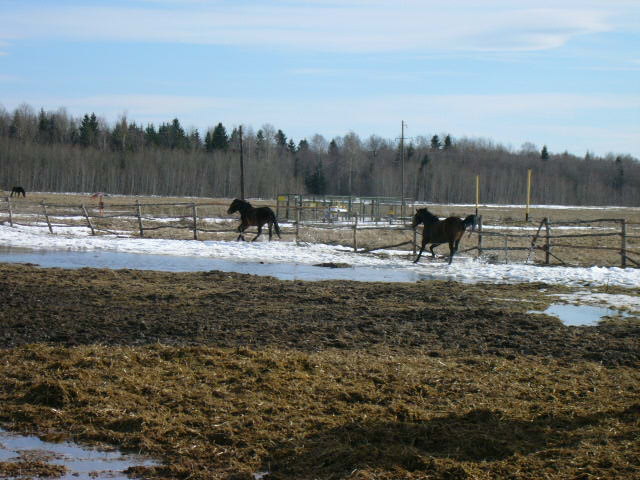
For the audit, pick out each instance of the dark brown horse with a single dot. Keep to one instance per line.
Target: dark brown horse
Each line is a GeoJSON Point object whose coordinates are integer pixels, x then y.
{"type": "Point", "coordinates": [251, 216]}
{"type": "Point", "coordinates": [436, 231]}
{"type": "Point", "coordinates": [18, 191]}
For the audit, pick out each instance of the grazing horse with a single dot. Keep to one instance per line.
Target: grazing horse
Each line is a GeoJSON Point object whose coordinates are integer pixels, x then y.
{"type": "Point", "coordinates": [438, 231]}
{"type": "Point", "coordinates": [250, 215]}
{"type": "Point", "coordinates": [18, 191]}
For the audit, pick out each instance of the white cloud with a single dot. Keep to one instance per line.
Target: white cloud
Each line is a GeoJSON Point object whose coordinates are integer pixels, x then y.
{"type": "Point", "coordinates": [354, 26]}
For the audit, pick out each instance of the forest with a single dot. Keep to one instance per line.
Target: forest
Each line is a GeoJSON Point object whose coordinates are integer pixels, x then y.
{"type": "Point", "coordinates": [55, 152]}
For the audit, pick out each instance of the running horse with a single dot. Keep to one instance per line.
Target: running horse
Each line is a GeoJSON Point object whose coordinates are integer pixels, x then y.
{"type": "Point", "coordinates": [436, 231]}
{"type": "Point", "coordinates": [252, 216]}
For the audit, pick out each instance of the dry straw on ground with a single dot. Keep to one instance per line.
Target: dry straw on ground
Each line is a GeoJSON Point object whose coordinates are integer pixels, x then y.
{"type": "Point", "coordinates": [220, 413]}
{"type": "Point", "coordinates": [435, 380]}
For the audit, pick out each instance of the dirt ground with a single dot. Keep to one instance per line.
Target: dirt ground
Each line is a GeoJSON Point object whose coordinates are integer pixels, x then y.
{"type": "Point", "coordinates": [223, 375]}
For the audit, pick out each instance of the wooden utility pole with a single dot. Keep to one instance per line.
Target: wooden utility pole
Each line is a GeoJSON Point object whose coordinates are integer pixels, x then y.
{"type": "Point", "coordinates": [477, 192]}
{"type": "Point", "coordinates": [526, 216]}
{"type": "Point", "coordinates": [402, 169]}
{"type": "Point", "coordinates": [241, 166]}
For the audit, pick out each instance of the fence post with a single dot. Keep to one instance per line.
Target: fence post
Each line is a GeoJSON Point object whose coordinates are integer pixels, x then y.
{"type": "Point", "coordinates": [547, 245]}
{"type": "Point", "coordinates": [194, 208]}
{"type": "Point", "coordinates": [506, 248]}
{"type": "Point", "coordinates": [415, 239]}
{"type": "Point", "coordinates": [297, 225]}
{"type": "Point", "coordinates": [10, 212]}
{"type": "Point", "coordinates": [86, 215]}
{"type": "Point", "coordinates": [355, 234]}
{"type": "Point", "coordinates": [139, 215]}
{"type": "Point", "coordinates": [46, 215]}
{"type": "Point", "coordinates": [479, 236]}
{"type": "Point", "coordinates": [623, 243]}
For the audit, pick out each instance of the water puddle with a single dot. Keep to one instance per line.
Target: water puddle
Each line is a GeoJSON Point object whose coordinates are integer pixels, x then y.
{"type": "Point", "coordinates": [581, 315]}
{"type": "Point", "coordinates": [171, 263]}
{"type": "Point", "coordinates": [81, 463]}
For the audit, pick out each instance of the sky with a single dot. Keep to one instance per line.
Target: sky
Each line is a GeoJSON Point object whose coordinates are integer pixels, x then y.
{"type": "Point", "coordinates": [562, 73]}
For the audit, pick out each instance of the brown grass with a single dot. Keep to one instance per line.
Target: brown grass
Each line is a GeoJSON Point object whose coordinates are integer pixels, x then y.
{"type": "Point", "coordinates": [210, 413]}
{"type": "Point", "coordinates": [435, 380]}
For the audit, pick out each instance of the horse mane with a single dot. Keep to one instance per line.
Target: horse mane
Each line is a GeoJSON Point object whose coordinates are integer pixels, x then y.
{"type": "Point", "coordinates": [239, 205]}
{"type": "Point", "coordinates": [424, 216]}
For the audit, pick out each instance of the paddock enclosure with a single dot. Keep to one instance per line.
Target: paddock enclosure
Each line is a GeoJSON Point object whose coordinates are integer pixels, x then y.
{"type": "Point", "coordinates": [603, 236]}
{"type": "Point", "coordinates": [226, 376]}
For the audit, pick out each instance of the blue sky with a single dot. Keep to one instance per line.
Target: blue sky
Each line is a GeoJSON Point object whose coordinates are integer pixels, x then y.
{"type": "Point", "coordinates": [562, 73]}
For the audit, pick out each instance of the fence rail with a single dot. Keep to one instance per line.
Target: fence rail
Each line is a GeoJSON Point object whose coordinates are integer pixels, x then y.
{"type": "Point", "coordinates": [139, 218]}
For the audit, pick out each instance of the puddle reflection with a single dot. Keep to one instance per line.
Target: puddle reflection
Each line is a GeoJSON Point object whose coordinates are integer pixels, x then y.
{"type": "Point", "coordinates": [171, 263]}
{"type": "Point", "coordinates": [81, 463]}
{"type": "Point", "coordinates": [581, 315]}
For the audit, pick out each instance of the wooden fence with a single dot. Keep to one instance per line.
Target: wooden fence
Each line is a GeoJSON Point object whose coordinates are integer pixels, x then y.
{"type": "Point", "coordinates": [195, 218]}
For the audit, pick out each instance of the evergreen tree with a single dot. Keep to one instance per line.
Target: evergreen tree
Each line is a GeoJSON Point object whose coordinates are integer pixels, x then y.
{"type": "Point", "coordinates": [424, 163]}
{"type": "Point", "coordinates": [303, 146]}
{"type": "Point", "coordinates": [315, 182]}
{"type": "Point", "coordinates": [544, 153]}
{"type": "Point", "coordinates": [150, 135]}
{"type": "Point", "coordinates": [234, 140]}
{"type": "Point", "coordinates": [195, 140]}
{"type": "Point", "coordinates": [410, 151]}
{"type": "Point", "coordinates": [119, 135]}
{"type": "Point", "coordinates": [260, 141]}
{"type": "Point", "coordinates": [208, 141]}
{"type": "Point", "coordinates": [447, 142]}
{"type": "Point", "coordinates": [281, 139]}
{"type": "Point", "coordinates": [88, 131]}
{"type": "Point", "coordinates": [618, 180]}
{"type": "Point", "coordinates": [334, 151]}
{"type": "Point", "coordinates": [220, 139]}
{"type": "Point", "coordinates": [435, 143]}
{"type": "Point", "coordinates": [291, 146]}
{"type": "Point", "coordinates": [46, 127]}
{"type": "Point", "coordinates": [178, 138]}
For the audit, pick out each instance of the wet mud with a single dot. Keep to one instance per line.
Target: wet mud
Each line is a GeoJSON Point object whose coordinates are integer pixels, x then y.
{"type": "Point", "coordinates": [221, 376]}
{"type": "Point", "coordinates": [128, 307]}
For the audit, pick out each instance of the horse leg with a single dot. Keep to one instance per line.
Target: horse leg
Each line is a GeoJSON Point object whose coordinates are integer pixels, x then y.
{"type": "Point", "coordinates": [453, 247]}
{"type": "Point", "coordinates": [259, 232]}
{"type": "Point", "coordinates": [241, 229]}
{"type": "Point", "coordinates": [270, 224]}
{"type": "Point", "coordinates": [424, 244]}
{"type": "Point", "coordinates": [433, 245]}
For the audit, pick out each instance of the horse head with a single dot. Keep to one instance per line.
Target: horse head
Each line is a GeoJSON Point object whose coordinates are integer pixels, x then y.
{"type": "Point", "coordinates": [423, 215]}
{"type": "Point", "coordinates": [470, 220]}
{"type": "Point", "coordinates": [238, 205]}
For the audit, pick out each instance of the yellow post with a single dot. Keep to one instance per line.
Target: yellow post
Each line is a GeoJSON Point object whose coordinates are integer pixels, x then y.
{"type": "Point", "coordinates": [477, 192]}
{"type": "Point", "coordinates": [526, 217]}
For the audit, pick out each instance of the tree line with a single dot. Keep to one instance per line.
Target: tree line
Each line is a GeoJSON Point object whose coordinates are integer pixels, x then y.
{"type": "Point", "coordinates": [53, 151]}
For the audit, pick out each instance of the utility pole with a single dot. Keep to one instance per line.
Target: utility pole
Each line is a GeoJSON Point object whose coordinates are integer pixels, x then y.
{"type": "Point", "coordinates": [241, 166]}
{"type": "Point", "coordinates": [402, 169]}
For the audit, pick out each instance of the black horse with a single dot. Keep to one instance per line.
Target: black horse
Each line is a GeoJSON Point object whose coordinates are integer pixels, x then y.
{"type": "Point", "coordinates": [436, 231]}
{"type": "Point", "coordinates": [18, 191]}
{"type": "Point", "coordinates": [250, 216]}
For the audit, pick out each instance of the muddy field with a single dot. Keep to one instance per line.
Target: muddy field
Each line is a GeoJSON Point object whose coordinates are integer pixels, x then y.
{"type": "Point", "coordinates": [222, 375]}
